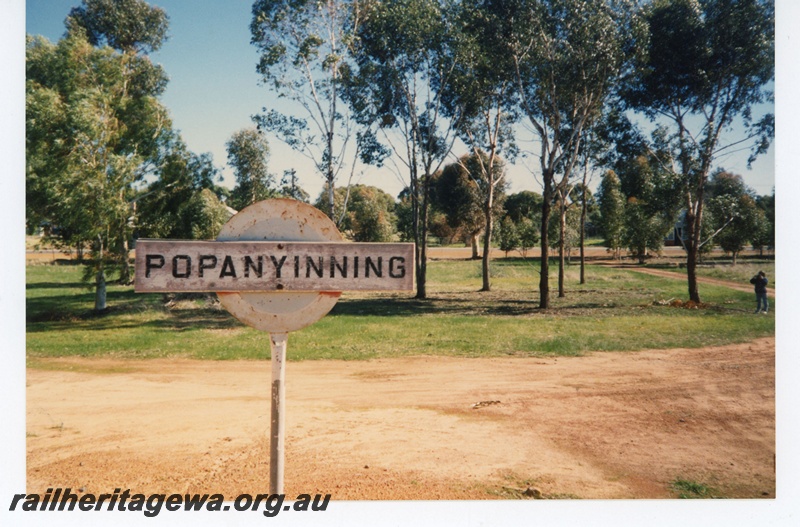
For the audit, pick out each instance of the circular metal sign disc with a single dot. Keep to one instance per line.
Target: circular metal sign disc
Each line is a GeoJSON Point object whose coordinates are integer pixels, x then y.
{"type": "Point", "coordinates": [279, 220]}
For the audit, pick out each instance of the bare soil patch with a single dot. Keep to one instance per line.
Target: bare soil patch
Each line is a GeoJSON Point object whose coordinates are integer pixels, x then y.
{"type": "Point", "coordinates": [606, 425]}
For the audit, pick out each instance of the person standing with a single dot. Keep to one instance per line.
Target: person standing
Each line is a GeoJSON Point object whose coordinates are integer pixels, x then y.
{"type": "Point", "coordinates": [760, 283]}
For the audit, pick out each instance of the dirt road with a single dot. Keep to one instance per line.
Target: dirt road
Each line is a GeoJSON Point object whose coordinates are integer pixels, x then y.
{"type": "Point", "coordinates": [701, 279]}
{"type": "Point", "coordinates": [607, 425]}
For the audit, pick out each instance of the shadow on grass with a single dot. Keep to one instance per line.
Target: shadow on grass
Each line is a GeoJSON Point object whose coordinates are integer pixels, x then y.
{"type": "Point", "coordinates": [57, 307]}
{"type": "Point", "coordinates": [110, 319]}
{"type": "Point", "coordinates": [57, 312]}
{"type": "Point", "coordinates": [200, 318]}
{"type": "Point", "coordinates": [452, 305]}
{"type": "Point", "coordinates": [57, 285]}
{"type": "Point", "coordinates": [129, 310]}
{"type": "Point", "coordinates": [54, 313]}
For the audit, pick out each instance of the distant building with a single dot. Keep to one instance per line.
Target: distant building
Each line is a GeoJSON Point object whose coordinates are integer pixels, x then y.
{"type": "Point", "coordinates": [676, 237]}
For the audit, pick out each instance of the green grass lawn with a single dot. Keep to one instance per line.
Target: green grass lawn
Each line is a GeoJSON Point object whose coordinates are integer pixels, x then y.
{"type": "Point", "coordinates": [616, 310]}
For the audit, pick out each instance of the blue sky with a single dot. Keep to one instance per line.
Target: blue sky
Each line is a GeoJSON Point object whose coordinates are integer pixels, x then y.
{"type": "Point", "coordinates": [213, 90]}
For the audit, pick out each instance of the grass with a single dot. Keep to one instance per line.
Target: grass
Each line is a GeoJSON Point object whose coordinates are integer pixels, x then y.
{"type": "Point", "coordinates": [524, 489]}
{"type": "Point", "coordinates": [616, 310]}
{"type": "Point", "coordinates": [687, 489]}
{"type": "Point", "coordinates": [742, 272]}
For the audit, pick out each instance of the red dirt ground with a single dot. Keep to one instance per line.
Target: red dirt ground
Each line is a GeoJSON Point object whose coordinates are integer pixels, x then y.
{"type": "Point", "coordinates": [606, 425]}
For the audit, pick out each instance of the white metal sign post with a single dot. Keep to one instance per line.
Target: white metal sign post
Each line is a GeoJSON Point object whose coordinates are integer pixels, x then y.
{"type": "Point", "coordinates": [278, 266]}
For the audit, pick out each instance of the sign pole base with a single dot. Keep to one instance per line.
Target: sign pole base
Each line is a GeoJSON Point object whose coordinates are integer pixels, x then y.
{"type": "Point", "coordinates": [277, 414]}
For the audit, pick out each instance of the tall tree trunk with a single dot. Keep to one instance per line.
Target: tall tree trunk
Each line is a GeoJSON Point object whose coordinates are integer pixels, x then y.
{"type": "Point", "coordinates": [331, 126]}
{"type": "Point", "coordinates": [544, 285]}
{"type": "Point", "coordinates": [331, 194]}
{"type": "Point", "coordinates": [100, 279]}
{"type": "Point", "coordinates": [583, 252]}
{"type": "Point", "coordinates": [696, 226]}
{"type": "Point", "coordinates": [487, 235]}
{"type": "Point", "coordinates": [100, 291]}
{"type": "Point", "coordinates": [583, 231]}
{"type": "Point", "coordinates": [423, 254]}
{"type": "Point", "coordinates": [562, 233]}
{"type": "Point", "coordinates": [415, 228]}
{"type": "Point", "coordinates": [691, 269]}
{"type": "Point", "coordinates": [125, 269]}
{"type": "Point", "coordinates": [692, 252]}
{"type": "Point", "coordinates": [474, 238]}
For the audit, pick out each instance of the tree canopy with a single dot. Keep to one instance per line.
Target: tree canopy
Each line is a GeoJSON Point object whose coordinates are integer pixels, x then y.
{"type": "Point", "coordinates": [248, 154]}
{"type": "Point", "coordinates": [566, 56]}
{"type": "Point", "coordinates": [368, 213]}
{"type": "Point", "coordinates": [403, 70]}
{"type": "Point", "coordinates": [705, 63]}
{"type": "Point", "coordinates": [612, 212]}
{"type": "Point", "coordinates": [125, 25]}
{"type": "Point", "coordinates": [305, 50]}
{"type": "Point", "coordinates": [182, 202]}
{"type": "Point", "coordinates": [735, 216]}
{"type": "Point", "coordinates": [94, 126]}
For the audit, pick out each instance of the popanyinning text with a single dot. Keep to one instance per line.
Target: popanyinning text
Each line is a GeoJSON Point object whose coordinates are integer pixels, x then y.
{"type": "Point", "coordinates": [163, 265]}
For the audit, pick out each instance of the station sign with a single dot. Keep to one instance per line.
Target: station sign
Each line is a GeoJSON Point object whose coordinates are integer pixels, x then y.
{"type": "Point", "coordinates": [250, 266]}
{"type": "Point", "coordinates": [278, 266]}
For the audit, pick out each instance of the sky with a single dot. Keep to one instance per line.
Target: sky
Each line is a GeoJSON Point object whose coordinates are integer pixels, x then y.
{"type": "Point", "coordinates": [214, 90]}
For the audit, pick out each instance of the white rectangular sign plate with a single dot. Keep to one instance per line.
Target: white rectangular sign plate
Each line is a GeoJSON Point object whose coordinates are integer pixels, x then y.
{"type": "Point", "coordinates": [240, 266]}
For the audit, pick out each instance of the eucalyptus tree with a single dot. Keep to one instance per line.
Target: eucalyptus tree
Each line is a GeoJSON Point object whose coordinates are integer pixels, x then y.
{"type": "Point", "coordinates": [131, 26]}
{"type": "Point", "coordinates": [735, 217]}
{"type": "Point", "coordinates": [248, 155]}
{"type": "Point", "coordinates": [507, 235]}
{"type": "Point", "coordinates": [612, 212]}
{"type": "Point", "coordinates": [183, 202]}
{"type": "Point", "coordinates": [571, 224]}
{"type": "Point", "coordinates": [483, 91]}
{"type": "Point", "coordinates": [305, 48]}
{"type": "Point", "coordinates": [708, 64]}
{"type": "Point", "coordinates": [651, 199]}
{"type": "Point", "coordinates": [371, 216]}
{"type": "Point", "coordinates": [368, 213]}
{"type": "Point", "coordinates": [405, 64]}
{"type": "Point", "coordinates": [765, 235]}
{"type": "Point", "coordinates": [567, 56]}
{"type": "Point", "coordinates": [135, 29]}
{"type": "Point", "coordinates": [460, 192]}
{"type": "Point", "coordinates": [94, 127]}
{"type": "Point", "coordinates": [565, 232]}
{"type": "Point", "coordinates": [290, 187]}
{"type": "Point", "coordinates": [586, 199]}
{"type": "Point", "coordinates": [523, 204]}
{"type": "Point", "coordinates": [644, 232]}
{"type": "Point", "coordinates": [640, 164]}
{"type": "Point", "coordinates": [523, 209]}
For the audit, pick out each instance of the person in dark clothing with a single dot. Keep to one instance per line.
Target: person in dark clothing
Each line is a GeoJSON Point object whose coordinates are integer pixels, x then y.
{"type": "Point", "coordinates": [760, 282]}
